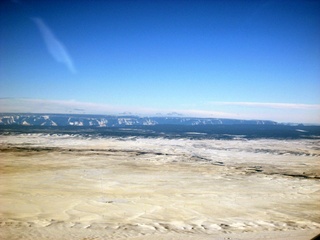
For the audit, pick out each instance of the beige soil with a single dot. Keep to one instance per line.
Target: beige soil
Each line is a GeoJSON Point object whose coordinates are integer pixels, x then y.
{"type": "Point", "coordinates": [68, 187]}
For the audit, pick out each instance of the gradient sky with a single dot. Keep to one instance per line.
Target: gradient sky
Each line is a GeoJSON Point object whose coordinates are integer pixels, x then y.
{"type": "Point", "coordinates": [238, 59]}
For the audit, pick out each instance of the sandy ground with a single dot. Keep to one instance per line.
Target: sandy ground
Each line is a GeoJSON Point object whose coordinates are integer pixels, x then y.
{"type": "Point", "coordinates": [69, 187]}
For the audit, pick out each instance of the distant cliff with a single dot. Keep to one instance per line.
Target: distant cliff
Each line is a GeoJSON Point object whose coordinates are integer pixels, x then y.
{"type": "Point", "coordinates": [114, 121]}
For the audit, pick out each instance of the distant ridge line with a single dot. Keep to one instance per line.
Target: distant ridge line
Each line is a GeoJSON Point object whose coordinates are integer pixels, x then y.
{"type": "Point", "coordinates": [95, 120]}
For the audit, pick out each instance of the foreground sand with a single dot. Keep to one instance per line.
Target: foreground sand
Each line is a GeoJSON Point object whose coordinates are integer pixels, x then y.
{"type": "Point", "coordinates": [69, 187]}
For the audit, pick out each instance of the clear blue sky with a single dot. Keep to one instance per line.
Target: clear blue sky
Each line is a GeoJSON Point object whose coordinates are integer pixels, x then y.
{"type": "Point", "coordinates": [242, 59]}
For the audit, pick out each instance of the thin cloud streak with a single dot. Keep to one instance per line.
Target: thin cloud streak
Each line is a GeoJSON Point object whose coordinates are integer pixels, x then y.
{"type": "Point", "coordinates": [23, 105]}
{"type": "Point", "coordinates": [54, 46]}
{"type": "Point", "coordinates": [52, 106]}
{"type": "Point", "coordinates": [308, 114]}
{"type": "Point", "coordinates": [270, 105]}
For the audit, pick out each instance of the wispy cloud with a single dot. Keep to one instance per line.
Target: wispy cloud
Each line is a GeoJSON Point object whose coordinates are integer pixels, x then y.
{"type": "Point", "coordinates": [206, 113]}
{"type": "Point", "coordinates": [54, 46]}
{"type": "Point", "coordinates": [270, 105]}
{"type": "Point", "coordinates": [53, 106]}
{"type": "Point", "coordinates": [72, 106]}
{"type": "Point", "coordinates": [282, 112]}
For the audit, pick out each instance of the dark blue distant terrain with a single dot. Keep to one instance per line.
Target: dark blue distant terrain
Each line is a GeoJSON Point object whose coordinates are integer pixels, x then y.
{"type": "Point", "coordinates": [166, 127]}
{"type": "Point", "coordinates": [114, 121]}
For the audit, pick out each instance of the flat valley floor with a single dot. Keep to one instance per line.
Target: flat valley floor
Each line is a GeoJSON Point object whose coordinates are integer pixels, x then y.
{"type": "Point", "coordinates": [73, 187]}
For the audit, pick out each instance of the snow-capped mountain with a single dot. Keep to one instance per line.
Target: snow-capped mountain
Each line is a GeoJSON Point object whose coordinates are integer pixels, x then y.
{"type": "Point", "coordinates": [113, 121]}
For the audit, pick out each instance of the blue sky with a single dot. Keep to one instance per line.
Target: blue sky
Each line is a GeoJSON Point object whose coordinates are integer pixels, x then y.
{"type": "Point", "coordinates": [238, 59]}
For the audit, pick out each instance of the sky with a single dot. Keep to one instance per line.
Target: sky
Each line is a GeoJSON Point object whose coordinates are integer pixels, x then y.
{"type": "Point", "coordinates": [250, 59]}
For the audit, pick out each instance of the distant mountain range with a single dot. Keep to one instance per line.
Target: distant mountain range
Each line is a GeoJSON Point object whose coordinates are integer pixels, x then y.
{"type": "Point", "coordinates": [114, 121]}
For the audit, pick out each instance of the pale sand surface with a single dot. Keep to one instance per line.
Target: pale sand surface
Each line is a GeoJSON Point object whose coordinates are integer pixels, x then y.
{"type": "Point", "coordinates": [69, 187]}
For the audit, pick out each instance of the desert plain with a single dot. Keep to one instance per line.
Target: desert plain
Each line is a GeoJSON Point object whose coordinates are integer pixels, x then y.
{"type": "Point", "coordinates": [89, 188]}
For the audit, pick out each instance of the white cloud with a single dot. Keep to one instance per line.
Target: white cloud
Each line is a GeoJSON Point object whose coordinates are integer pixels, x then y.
{"type": "Point", "coordinates": [54, 46]}
{"type": "Point", "coordinates": [52, 106]}
{"type": "Point", "coordinates": [71, 106]}
{"type": "Point", "coordinates": [270, 105]}
{"type": "Point", "coordinates": [281, 112]}
{"type": "Point", "coordinates": [207, 113]}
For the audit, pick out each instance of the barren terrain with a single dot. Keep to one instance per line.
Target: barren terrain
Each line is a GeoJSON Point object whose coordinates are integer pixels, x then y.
{"type": "Point", "coordinates": [71, 187]}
